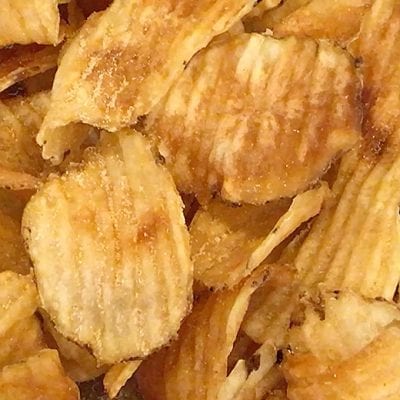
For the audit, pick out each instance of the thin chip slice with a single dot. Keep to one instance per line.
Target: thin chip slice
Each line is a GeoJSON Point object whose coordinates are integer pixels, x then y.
{"type": "Point", "coordinates": [118, 375]}
{"type": "Point", "coordinates": [117, 230]}
{"type": "Point", "coordinates": [195, 366]}
{"type": "Point", "coordinates": [372, 373]}
{"type": "Point", "coordinates": [236, 98]}
{"type": "Point", "coordinates": [20, 62]}
{"type": "Point", "coordinates": [79, 364]}
{"type": "Point", "coordinates": [353, 243]}
{"type": "Point", "coordinates": [123, 60]}
{"type": "Point", "coordinates": [229, 242]}
{"type": "Point", "coordinates": [39, 377]}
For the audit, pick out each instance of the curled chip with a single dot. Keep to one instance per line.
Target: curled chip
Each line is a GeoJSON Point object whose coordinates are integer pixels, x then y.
{"type": "Point", "coordinates": [116, 377]}
{"type": "Point", "coordinates": [20, 62]}
{"type": "Point", "coordinates": [372, 373]}
{"type": "Point", "coordinates": [229, 242]}
{"type": "Point", "coordinates": [123, 60]}
{"type": "Point", "coordinates": [353, 243]}
{"type": "Point", "coordinates": [337, 20]}
{"type": "Point", "coordinates": [195, 365]}
{"type": "Point", "coordinates": [237, 121]}
{"type": "Point", "coordinates": [38, 377]}
{"type": "Point", "coordinates": [340, 325]}
{"type": "Point", "coordinates": [122, 282]}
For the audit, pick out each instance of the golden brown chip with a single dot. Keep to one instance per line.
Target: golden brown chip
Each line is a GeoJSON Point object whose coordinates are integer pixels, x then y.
{"type": "Point", "coordinates": [353, 243]}
{"type": "Point", "coordinates": [20, 62]}
{"type": "Point", "coordinates": [123, 60]}
{"type": "Point", "coordinates": [195, 365]}
{"type": "Point", "coordinates": [123, 278]}
{"type": "Point", "coordinates": [39, 377]}
{"type": "Point", "coordinates": [34, 21]}
{"type": "Point", "coordinates": [372, 373]}
{"type": "Point", "coordinates": [229, 242]}
{"type": "Point", "coordinates": [338, 20]}
{"type": "Point", "coordinates": [118, 375]}
{"type": "Point", "coordinates": [257, 118]}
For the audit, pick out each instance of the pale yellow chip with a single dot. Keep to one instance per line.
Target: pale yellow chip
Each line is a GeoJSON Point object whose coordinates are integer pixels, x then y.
{"type": "Point", "coordinates": [122, 282]}
{"type": "Point", "coordinates": [237, 121]}
{"type": "Point", "coordinates": [338, 20]}
{"type": "Point", "coordinates": [229, 242]}
{"type": "Point", "coordinates": [79, 364]}
{"type": "Point", "coordinates": [20, 62]}
{"type": "Point", "coordinates": [116, 377]}
{"type": "Point", "coordinates": [195, 365]}
{"type": "Point", "coordinates": [123, 60]}
{"type": "Point", "coordinates": [33, 21]}
{"type": "Point", "coordinates": [372, 373]}
{"type": "Point", "coordinates": [39, 377]}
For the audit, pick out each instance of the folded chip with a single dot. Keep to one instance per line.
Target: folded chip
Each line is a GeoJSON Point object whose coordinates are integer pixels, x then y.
{"type": "Point", "coordinates": [38, 377]}
{"type": "Point", "coordinates": [124, 60]}
{"type": "Point", "coordinates": [122, 282]}
{"type": "Point", "coordinates": [195, 365]}
{"type": "Point", "coordinates": [257, 118]}
{"type": "Point", "coordinates": [337, 20]}
{"type": "Point", "coordinates": [353, 243]}
{"type": "Point", "coordinates": [116, 377]}
{"type": "Point", "coordinates": [20, 62]}
{"type": "Point", "coordinates": [372, 373]}
{"type": "Point", "coordinates": [229, 242]}
{"type": "Point", "coordinates": [35, 21]}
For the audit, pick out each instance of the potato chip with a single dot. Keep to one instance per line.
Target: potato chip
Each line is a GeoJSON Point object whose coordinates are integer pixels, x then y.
{"type": "Point", "coordinates": [116, 377]}
{"type": "Point", "coordinates": [353, 243]}
{"type": "Point", "coordinates": [341, 325]}
{"type": "Point", "coordinates": [195, 365]}
{"type": "Point", "coordinates": [39, 377]}
{"type": "Point", "coordinates": [229, 242]}
{"type": "Point", "coordinates": [372, 373]}
{"type": "Point", "coordinates": [36, 21]}
{"type": "Point", "coordinates": [123, 278]}
{"type": "Point", "coordinates": [78, 362]}
{"type": "Point", "coordinates": [337, 20]}
{"type": "Point", "coordinates": [115, 71]}
{"type": "Point", "coordinates": [20, 62]}
{"type": "Point", "coordinates": [230, 103]}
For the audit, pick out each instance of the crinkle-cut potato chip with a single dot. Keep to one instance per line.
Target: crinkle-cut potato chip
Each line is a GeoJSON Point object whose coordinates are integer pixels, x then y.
{"type": "Point", "coordinates": [38, 377]}
{"type": "Point", "coordinates": [78, 362]}
{"type": "Point", "coordinates": [20, 62]}
{"type": "Point", "coordinates": [194, 367]}
{"type": "Point", "coordinates": [354, 241]}
{"type": "Point", "coordinates": [378, 49]}
{"type": "Point", "coordinates": [253, 379]}
{"type": "Point", "coordinates": [116, 377]}
{"type": "Point", "coordinates": [123, 278]}
{"type": "Point", "coordinates": [371, 374]}
{"type": "Point", "coordinates": [229, 242]}
{"type": "Point", "coordinates": [257, 118]}
{"type": "Point", "coordinates": [269, 314]}
{"type": "Point", "coordinates": [24, 339]}
{"type": "Point", "coordinates": [338, 20]}
{"type": "Point", "coordinates": [341, 325]}
{"type": "Point", "coordinates": [124, 60]}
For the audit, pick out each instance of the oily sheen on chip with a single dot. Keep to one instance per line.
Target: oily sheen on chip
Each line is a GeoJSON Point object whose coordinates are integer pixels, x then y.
{"type": "Point", "coordinates": [123, 278]}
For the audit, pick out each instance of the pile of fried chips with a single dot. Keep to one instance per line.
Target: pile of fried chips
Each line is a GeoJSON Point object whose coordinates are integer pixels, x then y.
{"type": "Point", "coordinates": [199, 199]}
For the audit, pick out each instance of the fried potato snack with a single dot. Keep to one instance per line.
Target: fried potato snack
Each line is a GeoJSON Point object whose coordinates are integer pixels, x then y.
{"type": "Point", "coordinates": [117, 230]}
{"type": "Point", "coordinates": [20, 62]}
{"type": "Point", "coordinates": [236, 98]}
{"type": "Point", "coordinates": [195, 365]}
{"type": "Point", "coordinates": [123, 60]}
{"type": "Point", "coordinates": [229, 242]}
{"type": "Point", "coordinates": [39, 377]}
{"type": "Point", "coordinates": [34, 21]}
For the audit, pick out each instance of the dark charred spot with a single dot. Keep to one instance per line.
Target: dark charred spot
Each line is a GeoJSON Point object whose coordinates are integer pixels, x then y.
{"type": "Point", "coordinates": [358, 61]}
{"type": "Point", "coordinates": [160, 160]}
{"type": "Point", "coordinates": [396, 294]}
{"type": "Point", "coordinates": [279, 356]}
